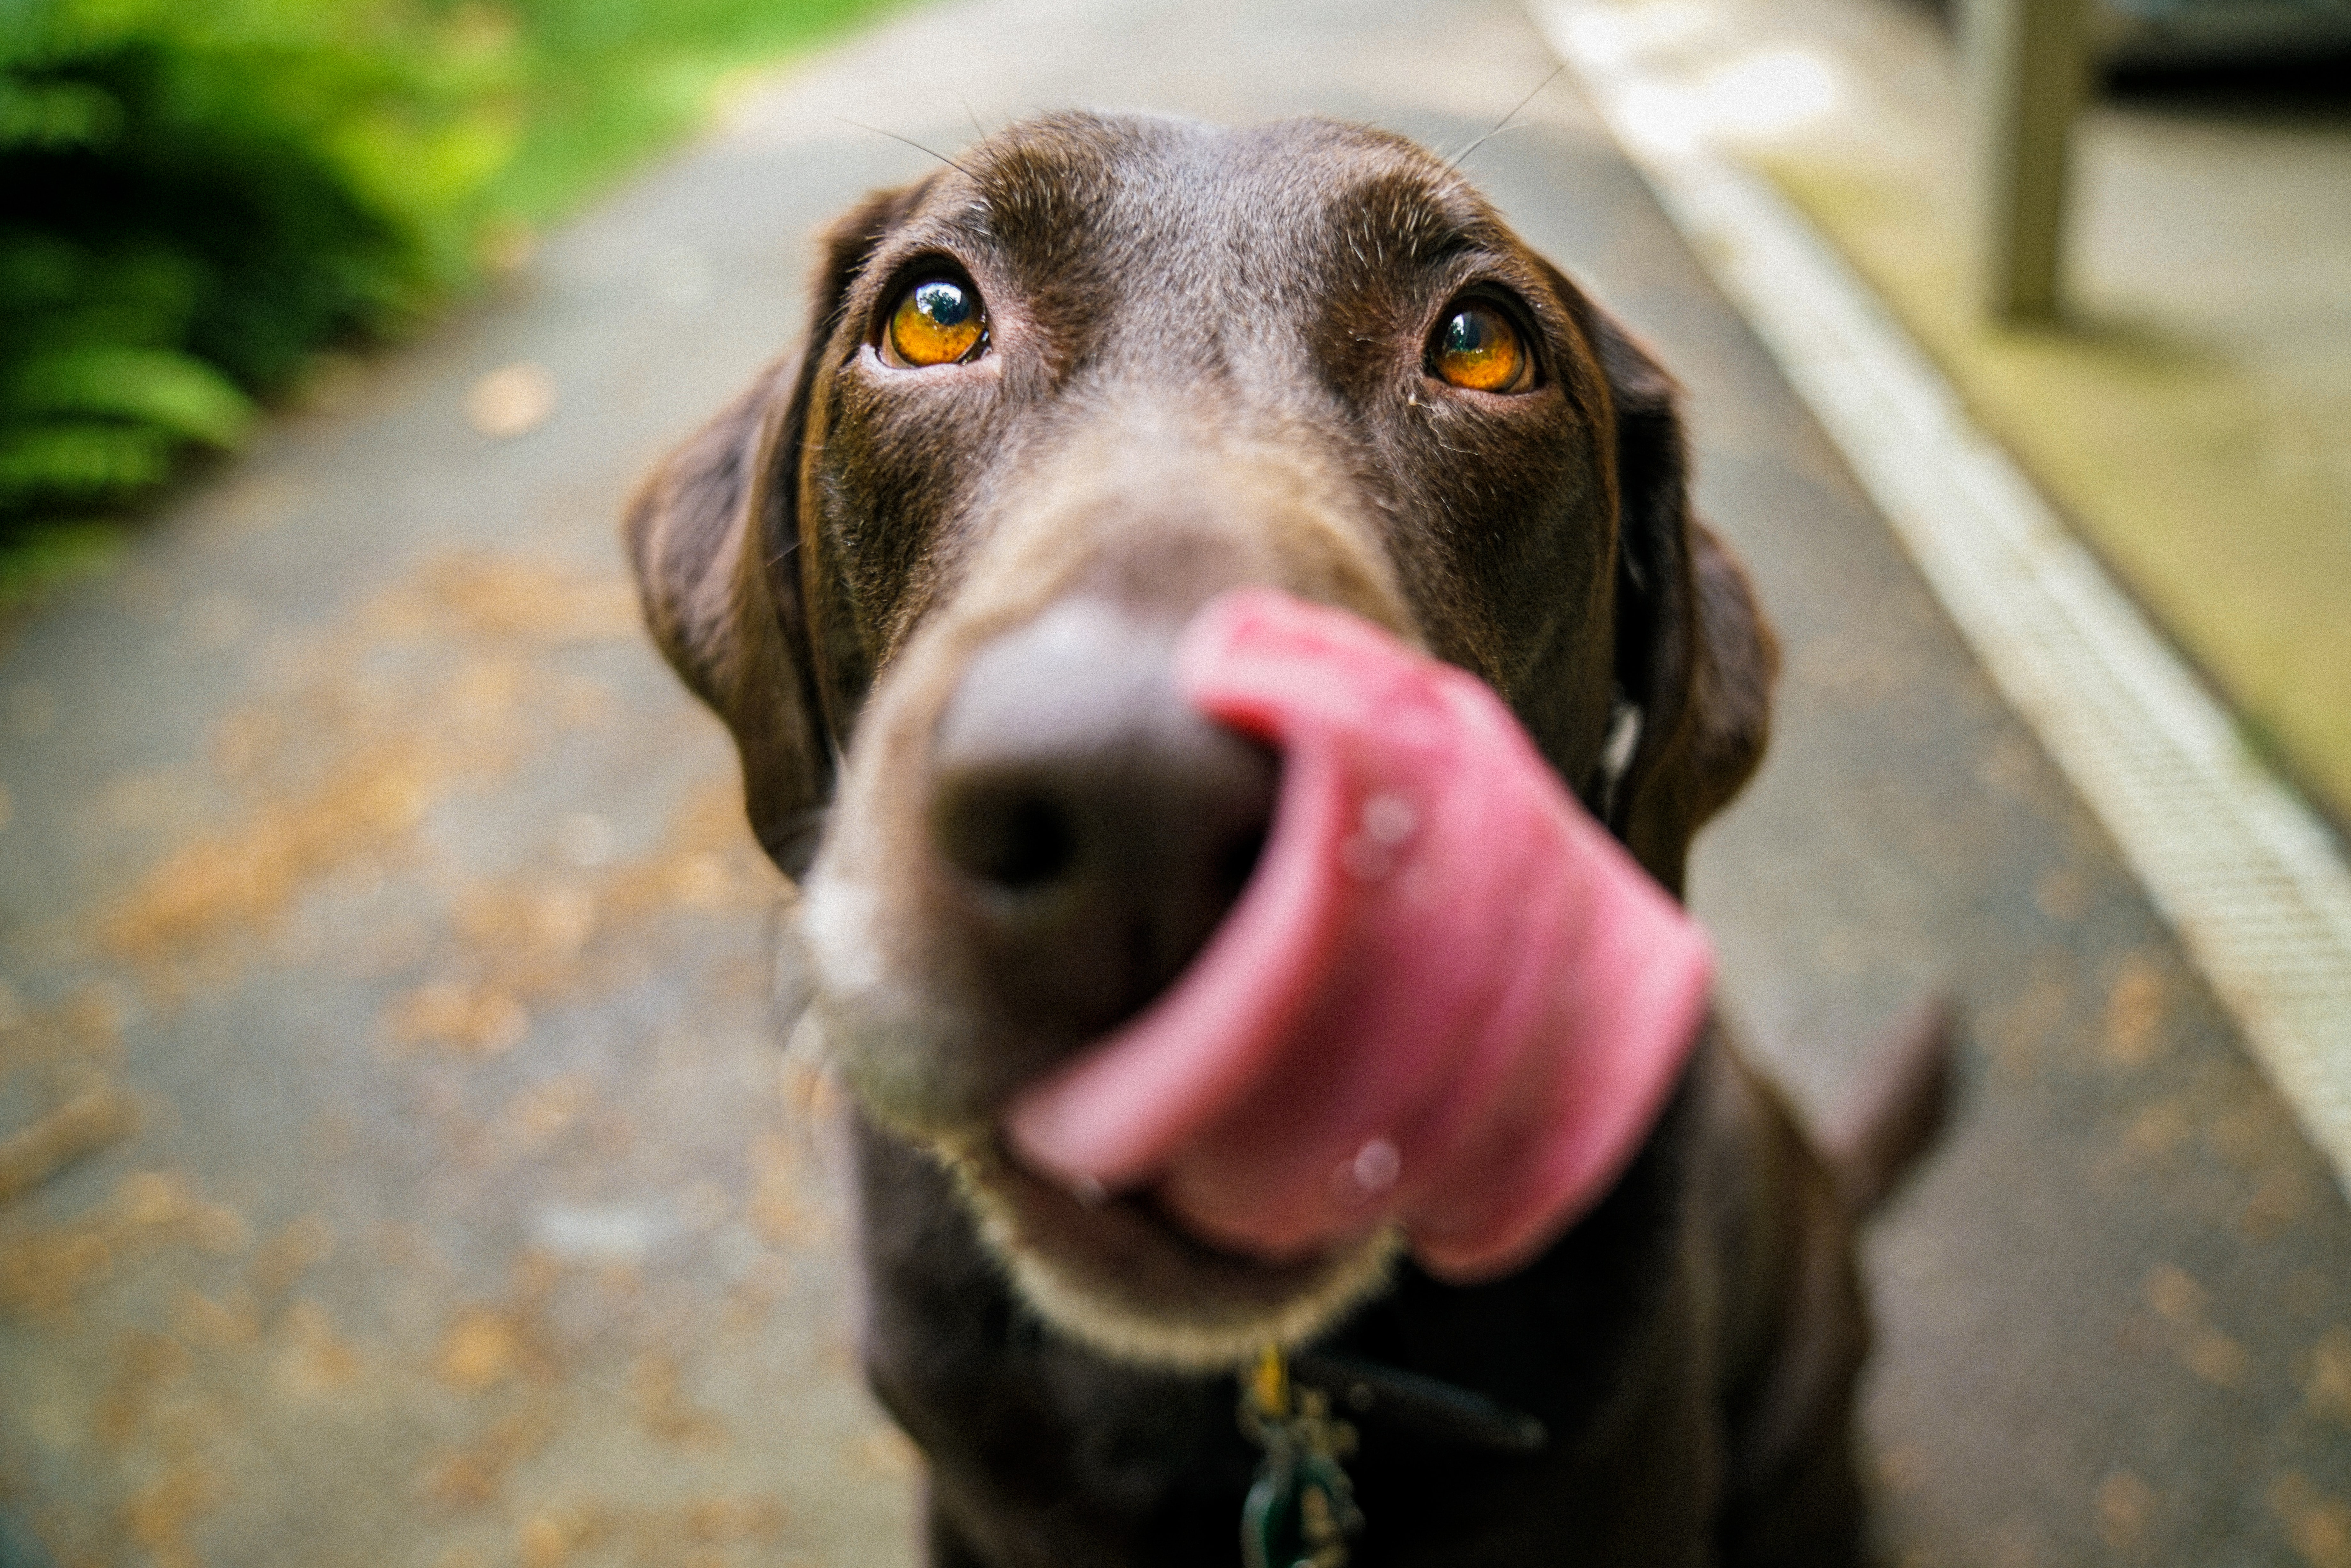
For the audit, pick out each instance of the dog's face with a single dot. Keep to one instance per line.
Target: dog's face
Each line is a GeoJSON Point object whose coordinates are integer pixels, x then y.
{"type": "Point", "coordinates": [1055, 399]}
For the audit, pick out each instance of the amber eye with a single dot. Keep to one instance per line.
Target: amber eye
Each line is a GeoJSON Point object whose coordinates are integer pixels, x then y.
{"type": "Point", "coordinates": [937, 323]}
{"type": "Point", "coordinates": [1477, 349]}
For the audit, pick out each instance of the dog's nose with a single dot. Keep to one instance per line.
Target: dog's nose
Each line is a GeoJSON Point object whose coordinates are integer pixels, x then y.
{"type": "Point", "coordinates": [1095, 826]}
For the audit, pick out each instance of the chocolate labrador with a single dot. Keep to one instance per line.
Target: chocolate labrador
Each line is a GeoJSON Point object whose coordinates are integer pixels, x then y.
{"type": "Point", "coordinates": [1054, 398]}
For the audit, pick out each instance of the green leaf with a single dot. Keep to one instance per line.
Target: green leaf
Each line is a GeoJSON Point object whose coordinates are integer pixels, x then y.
{"type": "Point", "coordinates": [55, 115]}
{"type": "Point", "coordinates": [181, 395]}
{"type": "Point", "coordinates": [81, 462]}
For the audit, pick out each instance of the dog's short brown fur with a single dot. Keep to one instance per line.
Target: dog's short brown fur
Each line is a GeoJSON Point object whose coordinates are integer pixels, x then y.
{"type": "Point", "coordinates": [1208, 364]}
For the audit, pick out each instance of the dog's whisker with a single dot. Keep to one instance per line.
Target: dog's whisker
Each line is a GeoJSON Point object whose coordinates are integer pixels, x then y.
{"type": "Point", "coordinates": [1454, 162]}
{"type": "Point", "coordinates": [911, 143]}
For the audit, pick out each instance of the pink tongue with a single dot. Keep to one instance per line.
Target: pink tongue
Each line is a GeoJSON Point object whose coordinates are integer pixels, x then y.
{"type": "Point", "coordinates": [1448, 997]}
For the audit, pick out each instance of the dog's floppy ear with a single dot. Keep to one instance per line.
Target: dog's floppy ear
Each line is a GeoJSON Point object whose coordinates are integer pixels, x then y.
{"type": "Point", "coordinates": [1694, 659]}
{"type": "Point", "coordinates": [714, 535]}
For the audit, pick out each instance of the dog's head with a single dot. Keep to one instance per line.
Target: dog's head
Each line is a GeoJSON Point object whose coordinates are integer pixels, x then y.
{"type": "Point", "coordinates": [1054, 398]}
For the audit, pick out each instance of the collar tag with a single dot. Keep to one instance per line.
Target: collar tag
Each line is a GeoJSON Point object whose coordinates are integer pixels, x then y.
{"type": "Point", "coordinates": [1301, 1508]}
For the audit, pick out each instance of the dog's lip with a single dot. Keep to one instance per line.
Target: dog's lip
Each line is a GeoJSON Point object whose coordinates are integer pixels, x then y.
{"type": "Point", "coordinates": [1128, 1217]}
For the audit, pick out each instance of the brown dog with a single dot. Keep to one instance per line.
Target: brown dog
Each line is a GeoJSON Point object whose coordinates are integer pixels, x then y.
{"type": "Point", "coordinates": [1055, 398]}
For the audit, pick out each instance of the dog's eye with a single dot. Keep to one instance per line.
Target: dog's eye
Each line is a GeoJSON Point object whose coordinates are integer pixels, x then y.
{"type": "Point", "coordinates": [936, 322]}
{"type": "Point", "coordinates": [1477, 349]}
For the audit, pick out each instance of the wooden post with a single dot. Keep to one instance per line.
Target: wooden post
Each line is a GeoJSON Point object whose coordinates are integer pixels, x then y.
{"type": "Point", "coordinates": [2027, 66]}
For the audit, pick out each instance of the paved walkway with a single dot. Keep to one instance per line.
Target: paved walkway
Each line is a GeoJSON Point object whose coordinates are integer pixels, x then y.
{"type": "Point", "coordinates": [381, 908]}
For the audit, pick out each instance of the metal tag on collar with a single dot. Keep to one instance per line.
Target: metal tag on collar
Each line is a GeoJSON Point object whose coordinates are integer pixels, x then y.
{"type": "Point", "coordinates": [1301, 1508]}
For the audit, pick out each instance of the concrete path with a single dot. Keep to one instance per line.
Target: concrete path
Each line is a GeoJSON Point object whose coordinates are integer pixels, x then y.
{"type": "Point", "coordinates": [379, 910]}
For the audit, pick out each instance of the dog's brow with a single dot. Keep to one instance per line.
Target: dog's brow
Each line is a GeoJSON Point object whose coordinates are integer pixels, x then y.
{"type": "Point", "coordinates": [1403, 216]}
{"type": "Point", "coordinates": [1043, 190]}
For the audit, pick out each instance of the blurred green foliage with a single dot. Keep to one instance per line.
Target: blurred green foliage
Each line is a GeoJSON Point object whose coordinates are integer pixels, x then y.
{"type": "Point", "coordinates": [196, 195]}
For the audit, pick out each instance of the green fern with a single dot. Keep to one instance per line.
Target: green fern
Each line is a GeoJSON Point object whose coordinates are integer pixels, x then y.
{"type": "Point", "coordinates": [79, 464]}
{"type": "Point", "coordinates": [177, 394]}
{"type": "Point", "coordinates": [54, 115]}
{"type": "Point", "coordinates": [180, 235]}
{"type": "Point", "coordinates": [201, 194]}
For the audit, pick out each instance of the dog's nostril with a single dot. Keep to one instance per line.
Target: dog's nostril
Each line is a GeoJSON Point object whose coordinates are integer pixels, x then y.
{"type": "Point", "coordinates": [1011, 836]}
{"type": "Point", "coordinates": [1236, 863]}
{"type": "Point", "coordinates": [1036, 844]}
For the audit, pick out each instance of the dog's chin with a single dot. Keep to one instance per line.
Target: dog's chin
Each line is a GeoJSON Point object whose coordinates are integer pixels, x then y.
{"type": "Point", "coordinates": [1116, 1275]}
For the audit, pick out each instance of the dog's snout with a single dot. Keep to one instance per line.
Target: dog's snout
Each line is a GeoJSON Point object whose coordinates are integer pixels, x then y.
{"type": "Point", "coordinates": [1096, 827]}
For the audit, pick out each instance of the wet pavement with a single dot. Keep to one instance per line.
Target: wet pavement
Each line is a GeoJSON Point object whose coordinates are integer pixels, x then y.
{"type": "Point", "coordinates": [378, 911]}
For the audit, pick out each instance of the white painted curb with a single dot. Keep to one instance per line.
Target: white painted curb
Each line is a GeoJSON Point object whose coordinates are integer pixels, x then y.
{"type": "Point", "coordinates": [2244, 872]}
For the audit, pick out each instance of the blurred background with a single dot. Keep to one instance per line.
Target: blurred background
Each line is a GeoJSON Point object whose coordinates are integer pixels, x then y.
{"type": "Point", "coordinates": [207, 205]}
{"type": "Point", "coordinates": [398, 1161]}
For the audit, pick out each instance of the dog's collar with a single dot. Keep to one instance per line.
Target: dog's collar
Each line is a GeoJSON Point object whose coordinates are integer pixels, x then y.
{"type": "Point", "coordinates": [1439, 1411]}
{"type": "Point", "coordinates": [1300, 1509]}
